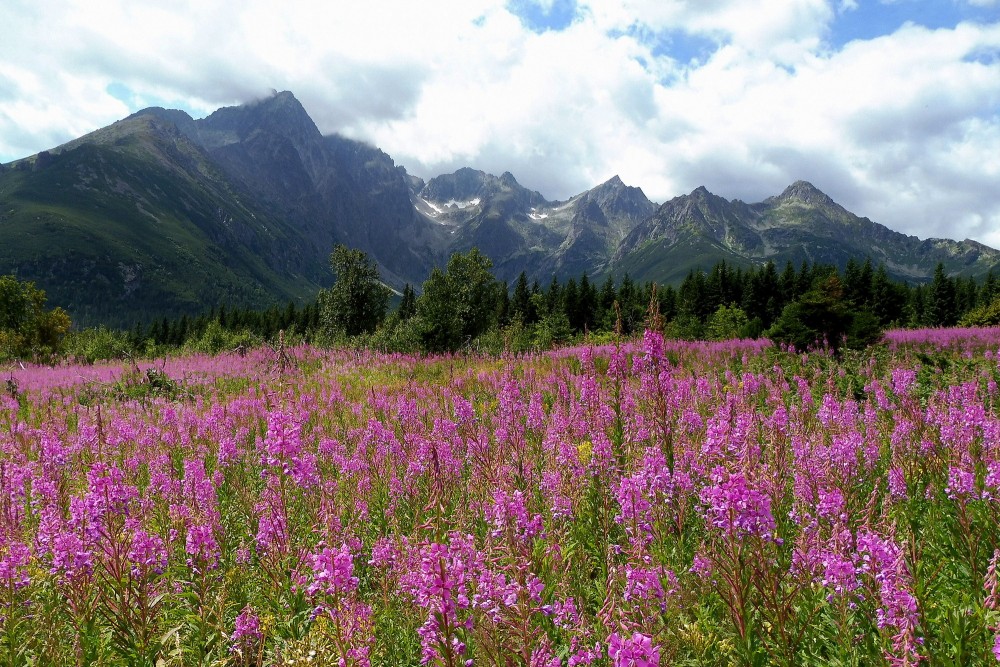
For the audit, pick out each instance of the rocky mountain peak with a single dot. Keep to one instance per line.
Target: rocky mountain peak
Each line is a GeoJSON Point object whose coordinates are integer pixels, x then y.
{"type": "Point", "coordinates": [507, 180]}
{"type": "Point", "coordinates": [280, 113]}
{"type": "Point", "coordinates": [804, 192]}
{"type": "Point", "coordinates": [175, 116]}
{"type": "Point", "coordinates": [464, 184]}
{"type": "Point", "coordinates": [615, 197]}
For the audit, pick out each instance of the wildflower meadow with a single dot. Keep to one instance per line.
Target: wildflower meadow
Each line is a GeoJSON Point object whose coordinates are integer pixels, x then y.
{"type": "Point", "coordinates": [636, 504]}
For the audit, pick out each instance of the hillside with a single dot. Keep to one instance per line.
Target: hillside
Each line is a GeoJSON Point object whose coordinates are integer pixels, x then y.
{"type": "Point", "coordinates": [160, 214]}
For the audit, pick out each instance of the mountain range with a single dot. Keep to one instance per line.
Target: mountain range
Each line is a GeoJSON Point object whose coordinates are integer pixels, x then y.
{"type": "Point", "coordinates": [160, 214]}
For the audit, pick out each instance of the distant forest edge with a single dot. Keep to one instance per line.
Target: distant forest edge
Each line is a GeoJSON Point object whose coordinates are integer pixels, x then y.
{"type": "Point", "coordinates": [463, 307]}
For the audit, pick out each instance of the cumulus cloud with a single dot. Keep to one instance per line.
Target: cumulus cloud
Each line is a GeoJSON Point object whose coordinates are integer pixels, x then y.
{"type": "Point", "coordinates": [903, 128]}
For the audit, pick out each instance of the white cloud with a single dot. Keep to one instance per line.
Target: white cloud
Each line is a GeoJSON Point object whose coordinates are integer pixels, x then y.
{"type": "Point", "coordinates": [904, 129]}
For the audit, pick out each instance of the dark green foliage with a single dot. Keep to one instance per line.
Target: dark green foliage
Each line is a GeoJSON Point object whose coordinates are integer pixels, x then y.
{"type": "Point", "coordinates": [822, 317]}
{"type": "Point", "coordinates": [27, 329]}
{"type": "Point", "coordinates": [888, 298]}
{"type": "Point", "coordinates": [464, 307]}
{"type": "Point", "coordinates": [358, 300]}
{"type": "Point", "coordinates": [458, 305]}
{"type": "Point", "coordinates": [632, 305]}
{"type": "Point", "coordinates": [408, 304]}
{"type": "Point", "coordinates": [520, 302]}
{"type": "Point", "coordinates": [942, 309]}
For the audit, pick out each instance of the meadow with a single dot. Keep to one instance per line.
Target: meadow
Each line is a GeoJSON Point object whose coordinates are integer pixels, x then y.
{"type": "Point", "coordinates": [640, 503]}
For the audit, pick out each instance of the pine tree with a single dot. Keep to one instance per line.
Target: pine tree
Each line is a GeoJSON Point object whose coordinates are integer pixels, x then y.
{"type": "Point", "coordinates": [408, 304]}
{"type": "Point", "coordinates": [942, 308]}
{"type": "Point", "coordinates": [520, 303]}
{"type": "Point", "coordinates": [587, 303]}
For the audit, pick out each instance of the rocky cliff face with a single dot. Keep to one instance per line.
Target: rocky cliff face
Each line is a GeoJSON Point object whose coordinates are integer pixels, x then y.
{"type": "Point", "coordinates": [522, 231]}
{"type": "Point", "coordinates": [800, 224]}
{"type": "Point", "coordinates": [160, 214]}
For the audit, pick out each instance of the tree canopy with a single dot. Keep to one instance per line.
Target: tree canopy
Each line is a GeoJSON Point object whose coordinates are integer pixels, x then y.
{"type": "Point", "coordinates": [357, 301]}
{"type": "Point", "coordinates": [27, 329]}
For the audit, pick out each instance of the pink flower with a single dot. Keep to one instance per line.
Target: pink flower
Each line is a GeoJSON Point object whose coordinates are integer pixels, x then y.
{"type": "Point", "coordinates": [736, 509]}
{"type": "Point", "coordinates": [637, 651]}
{"type": "Point", "coordinates": [14, 561]}
{"type": "Point", "coordinates": [961, 484]}
{"type": "Point", "coordinates": [147, 553]}
{"type": "Point", "coordinates": [246, 632]}
{"type": "Point", "coordinates": [333, 572]}
{"type": "Point", "coordinates": [202, 547]}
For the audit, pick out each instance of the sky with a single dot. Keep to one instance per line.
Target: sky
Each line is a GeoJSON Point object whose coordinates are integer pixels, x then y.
{"type": "Point", "coordinates": [891, 107]}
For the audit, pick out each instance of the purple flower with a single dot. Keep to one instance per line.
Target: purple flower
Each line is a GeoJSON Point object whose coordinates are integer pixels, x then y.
{"type": "Point", "coordinates": [644, 584]}
{"type": "Point", "coordinates": [147, 553]}
{"type": "Point", "coordinates": [737, 510]}
{"type": "Point", "coordinates": [14, 561]}
{"type": "Point", "coordinates": [510, 512]}
{"type": "Point", "coordinates": [439, 580]}
{"type": "Point", "coordinates": [70, 555]}
{"type": "Point", "coordinates": [839, 574]}
{"type": "Point", "coordinates": [702, 566]}
{"type": "Point", "coordinates": [246, 632]}
{"type": "Point", "coordinates": [992, 481]}
{"type": "Point", "coordinates": [637, 651]}
{"type": "Point", "coordinates": [897, 484]}
{"type": "Point", "coordinates": [961, 484]}
{"type": "Point", "coordinates": [201, 547]}
{"type": "Point", "coordinates": [831, 504]}
{"type": "Point", "coordinates": [333, 572]}
{"type": "Point", "coordinates": [631, 494]}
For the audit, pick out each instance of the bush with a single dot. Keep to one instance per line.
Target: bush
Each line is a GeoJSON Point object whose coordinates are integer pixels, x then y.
{"type": "Point", "coordinates": [100, 344]}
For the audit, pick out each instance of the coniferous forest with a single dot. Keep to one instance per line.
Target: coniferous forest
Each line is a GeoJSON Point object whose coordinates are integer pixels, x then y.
{"type": "Point", "coordinates": [462, 306]}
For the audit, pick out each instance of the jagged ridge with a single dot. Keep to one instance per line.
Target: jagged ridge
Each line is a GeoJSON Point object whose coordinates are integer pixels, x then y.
{"type": "Point", "coordinates": [160, 214]}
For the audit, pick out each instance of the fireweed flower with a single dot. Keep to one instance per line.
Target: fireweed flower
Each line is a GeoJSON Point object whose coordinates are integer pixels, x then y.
{"type": "Point", "coordinates": [199, 490]}
{"type": "Point", "coordinates": [147, 554]}
{"type": "Point", "coordinates": [991, 484]}
{"type": "Point", "coordinates": [108, 494]}
{"type": "Point", "coordinates": [961, 484]}
{"type": "Point", "coordinates": [885, 563]}
{"type": "Point", "coordinates": [246, 632]}
{"type": "Point", "coordinates": [701, 566]}
{"type": "Point", "coordinates": [897, 484]}
{"type": "Point", "coordinates": [646, 584]}
{"type": "Point", "coordinates": [71, 556]}
{"type": "Point", "coordinates": [636, 651]}
{"type": "Point", "coordinates": [201, 547]}
{"type": "Point", "coordinates": [272, 527]}
{"type": "Point", "coordinates": [737, 510]}
{"type": "Point", "coordinates": [14, 560]}
{"type": "Point", "coordinates": [441, 582]}
{"type": "Point", "coordinates": [631, 494]}
{"type": "Point", "coordinates": [831, 505]}
{"type": "Point", "coordinates": [332, 572]}
{"type": "Point", "coordinates": [510, 512]}
{"type": "Point", "coordinates": [839, 574]}
{"type": "Point", "coordinates": [992, 582]}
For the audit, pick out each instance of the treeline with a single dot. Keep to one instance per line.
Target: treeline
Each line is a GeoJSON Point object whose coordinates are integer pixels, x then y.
{"type": "Point", "coordinates": [226, 329]}
{"type": "Point", "coordinates": [263, 324]}
{"type": "Point", "coordinates": [462, 306]}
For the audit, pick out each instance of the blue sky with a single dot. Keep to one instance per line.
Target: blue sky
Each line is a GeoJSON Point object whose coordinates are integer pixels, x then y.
{"type": "Point", "coordinates": [892, 108]}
